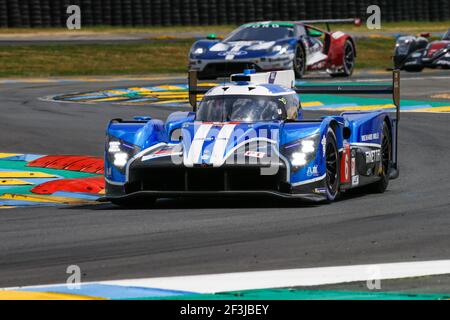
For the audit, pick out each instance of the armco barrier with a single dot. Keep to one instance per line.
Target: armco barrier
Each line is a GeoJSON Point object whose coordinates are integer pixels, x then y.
{"type": "Point", "coordinates": [47, 13]}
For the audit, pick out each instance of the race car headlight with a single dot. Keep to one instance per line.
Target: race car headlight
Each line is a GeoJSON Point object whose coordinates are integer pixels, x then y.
{"type": "Point", "coordinates": [402, 46]}
{"type": "Point", "coordinates": [120, 152]}
{"type": "Point", "coordinates": [198, 51]}
{"type": "Point", "coordinates": [298, 159]}
{"type": "Point", "coordinates": [301, 151]}
{"type": "Point", "coordinates": [280, 49]}
{"type": "Point", "coordinates": [120, 159]}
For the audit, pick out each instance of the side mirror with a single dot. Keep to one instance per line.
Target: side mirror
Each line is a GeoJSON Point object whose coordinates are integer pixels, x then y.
{"type": "Point", "coordinates": [211, 36]}
{"type": "Point", "coordinates": [314, 33]}
{"type": "Point", "coordinates": [425, 34]}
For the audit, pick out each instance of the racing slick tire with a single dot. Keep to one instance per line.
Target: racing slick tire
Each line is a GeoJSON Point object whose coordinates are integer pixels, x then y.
{"type": "Point", "coordinates": [299, 63]}
{"type": "Point", "coordinates": [386, 158]}
{"type": "Point", "coordinates": [413, 69]}
{"type": "Point", "coordinates": [332, 176]}
{"type": "Point", "coordinates": [349, 61]}
{"type": "Point", "coordinates": [135, 203]}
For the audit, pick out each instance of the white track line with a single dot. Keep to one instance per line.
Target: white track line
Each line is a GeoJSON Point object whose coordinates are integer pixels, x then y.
{"type": "Point", "coordinates": [212, 283]}
{"type": "Point", "coordinates": [292, 277]}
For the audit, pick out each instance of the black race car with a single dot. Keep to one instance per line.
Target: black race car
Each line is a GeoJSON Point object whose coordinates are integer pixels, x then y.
{"type": "Point", "coordinates": [416, 53]}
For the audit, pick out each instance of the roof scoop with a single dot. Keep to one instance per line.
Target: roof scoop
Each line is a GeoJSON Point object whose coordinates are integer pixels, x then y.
{"type": "Point", "coordinates": [285, 78]}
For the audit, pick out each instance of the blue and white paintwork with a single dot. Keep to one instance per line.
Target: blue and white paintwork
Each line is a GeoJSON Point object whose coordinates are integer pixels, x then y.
{"type": "Point", "coordinates": [183, 142]}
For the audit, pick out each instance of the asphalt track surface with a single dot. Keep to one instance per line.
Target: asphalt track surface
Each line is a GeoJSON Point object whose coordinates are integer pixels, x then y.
{"type": "Point", "coordinates": [410, 222]}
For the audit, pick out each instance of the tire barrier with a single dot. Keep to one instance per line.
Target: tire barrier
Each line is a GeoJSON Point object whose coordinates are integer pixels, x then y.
{"type": "Point", "coordinates": [47, 13]}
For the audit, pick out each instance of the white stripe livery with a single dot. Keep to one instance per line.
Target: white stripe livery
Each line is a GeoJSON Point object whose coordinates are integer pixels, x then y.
{"type": "Point", "coordinates": [217, 156]}
{"type": "Point", "coordinates": [195, 150]}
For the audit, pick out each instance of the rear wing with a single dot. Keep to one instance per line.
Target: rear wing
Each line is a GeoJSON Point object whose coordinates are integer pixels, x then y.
{"type": "Point", "coordinates": [356, 21]}
{"type": "Point", "coordinates": [393, 89]}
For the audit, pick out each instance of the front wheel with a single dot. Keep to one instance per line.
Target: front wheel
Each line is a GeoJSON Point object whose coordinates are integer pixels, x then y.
{"type": "Point", "coordinates": [332, 177]}
{"type": "Point", "coordinates": [299, 62]}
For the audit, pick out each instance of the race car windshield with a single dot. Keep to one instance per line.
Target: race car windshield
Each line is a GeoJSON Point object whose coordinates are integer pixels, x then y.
{"type": "Point", "coordinates": [241, 108]}
{"type": "Point", "coordinates": [261, 33]}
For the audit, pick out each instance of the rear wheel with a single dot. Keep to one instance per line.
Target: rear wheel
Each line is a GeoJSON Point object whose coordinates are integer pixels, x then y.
{"type": "Point", "coordinates": [349, 61]}
{"type": "Point", "coordinates": [386, 157]}
{"type": "Point", "coordinates": [299, 62]}
{"type": "Point", "coordinates": [332, 179]}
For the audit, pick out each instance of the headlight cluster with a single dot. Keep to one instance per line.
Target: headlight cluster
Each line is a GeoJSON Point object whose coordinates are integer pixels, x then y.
{"type": "Point", "coordinates": [198, 51]}
{"type": "Point", "coordinates": [402, 45]}
{"type": "Point", "coordinates": [119, 152]}
{"type": "Point", "coordinates": [280, 49]}
{"type": "Point", "coordinates": [302, 151]}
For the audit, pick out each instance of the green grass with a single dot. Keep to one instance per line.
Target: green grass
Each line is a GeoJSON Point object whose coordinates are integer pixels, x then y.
{"type": "Point", "coordinates": [374, 53]}
{"type": "Point", "coordinates": [69, 60]}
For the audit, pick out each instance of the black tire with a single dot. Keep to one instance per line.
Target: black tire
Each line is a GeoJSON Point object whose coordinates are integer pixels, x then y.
{"type": "Point", "coordinates": [413, 69]}
{"type": "Point", "coordinates": [135, 203]}
{"type": "Point", "coordinates": [349, 61]}
{"type": "Point", "coordinates": [332, 178]}
{"type": "Point", "coordinates": [386, 158]}
{"type": "Point", "coordinates": [299, 63]}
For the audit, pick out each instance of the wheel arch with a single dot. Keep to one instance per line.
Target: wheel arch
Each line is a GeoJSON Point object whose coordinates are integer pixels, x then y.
{"type": "Point", "coordinates": [337, 126]}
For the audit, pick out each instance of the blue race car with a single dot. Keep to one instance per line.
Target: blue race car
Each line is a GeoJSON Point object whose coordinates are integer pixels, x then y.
{"type": "Point", "coordinates": [276, 45]}
{"type": "Point", "coordinates": [249, 137]}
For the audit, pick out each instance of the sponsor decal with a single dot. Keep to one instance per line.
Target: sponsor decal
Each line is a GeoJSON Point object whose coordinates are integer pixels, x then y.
{"type": "Point", "coordinates": [353, 166]}
{"type": "Point", "coordinates": [345, 165]}
{"type": "Point", "coordinates": [233, 53]}
{"type": "Point", "coordinates": [355, 181]}
{"type": "Point", "coordinates": [370, 136]}
{"type": "Point", "coordinates": [443, 62]}
{"type": "Point", "coordinates": [272, 77]}
{"type": "Point", "coordinates": [205, 155]}
{"type": "Point", "coordinates": [338, 34]}
{"type": "Point", "coordinates": [266, 25]}
{"type": "Point", "coordinates": [254, 154]}
{"type": "Point", "coordinates": [312, 171]}
{"type": "Point", "coordinates": [324, 144]}
{"type": "Point", "coordinates": [373, 156]}
{"type": "Point", "coordinates": [283, 100]}
{"type": "Point", "coordinates": [320, 190]}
